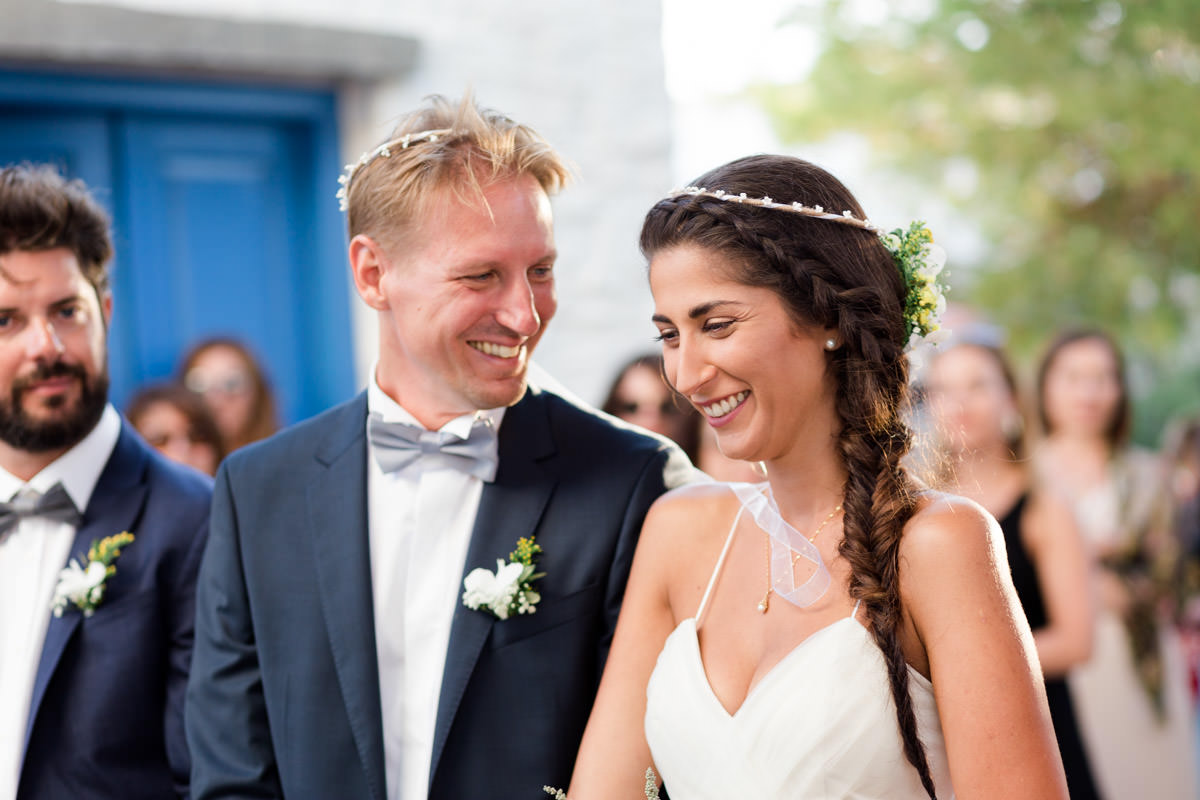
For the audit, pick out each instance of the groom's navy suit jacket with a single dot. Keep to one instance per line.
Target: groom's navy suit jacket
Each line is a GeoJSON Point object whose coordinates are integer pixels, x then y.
{"type": "Point", "coordinates": [106, 714]}
{"type": "Point", "coordinates": [284, 695]}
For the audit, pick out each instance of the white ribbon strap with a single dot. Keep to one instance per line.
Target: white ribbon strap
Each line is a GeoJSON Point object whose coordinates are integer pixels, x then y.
{"type": "Point", "coordinates": [787, 545]}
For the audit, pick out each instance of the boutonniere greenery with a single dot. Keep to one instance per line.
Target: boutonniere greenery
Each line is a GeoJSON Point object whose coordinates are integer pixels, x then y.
{"type": "Point", "coordinates": [508, 590]}
{"type": "Point", "coordinates": [82, 585]}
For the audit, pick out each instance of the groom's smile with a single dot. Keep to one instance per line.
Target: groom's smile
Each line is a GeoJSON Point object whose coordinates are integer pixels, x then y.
{"type": "Point", "coordinates": [497, 350]}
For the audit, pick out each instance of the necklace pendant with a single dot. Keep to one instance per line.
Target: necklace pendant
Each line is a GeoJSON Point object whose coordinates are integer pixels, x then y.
{"type": "Point", "coordinates": [765, 603]}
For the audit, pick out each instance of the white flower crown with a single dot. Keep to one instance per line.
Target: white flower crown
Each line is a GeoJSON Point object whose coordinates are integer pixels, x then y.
{"type": "Point", "coordinates": [846, 217]}
{"type": "Point", "coordinates": [383, 151]}
{"type": "Point", "coordinates": [919, 260]}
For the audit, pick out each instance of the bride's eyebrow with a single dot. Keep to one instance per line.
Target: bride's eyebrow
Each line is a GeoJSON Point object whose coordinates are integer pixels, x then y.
{"type": "Point", "coordinates": [706, 308]}
{"type": "Point", "coordinates": [698, 311]}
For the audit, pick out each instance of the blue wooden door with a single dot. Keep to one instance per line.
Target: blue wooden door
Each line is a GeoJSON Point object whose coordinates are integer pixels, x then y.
{"type": "Point", "coordinates": [77, 142]}
{"type": "Point", "coordinates": [216, 251]}
{"type": "Point", "coordinates": [224, 223]}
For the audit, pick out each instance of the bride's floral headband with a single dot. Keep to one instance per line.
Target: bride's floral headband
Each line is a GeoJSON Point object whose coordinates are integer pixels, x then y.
{"type": "Point", "coordinates": [919, 260]}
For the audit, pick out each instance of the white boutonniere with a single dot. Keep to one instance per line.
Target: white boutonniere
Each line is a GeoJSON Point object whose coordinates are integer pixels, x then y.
{"type": "Point", "coordinates": [82, 585]}
{"type": "Point", "coordinates": [508, 590]}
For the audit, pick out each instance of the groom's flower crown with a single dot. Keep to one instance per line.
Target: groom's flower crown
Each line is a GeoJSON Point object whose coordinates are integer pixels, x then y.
{"type": "Point", "coordinates": [383, 151]}
{"type": "Point", "coordinates": [917, 258]}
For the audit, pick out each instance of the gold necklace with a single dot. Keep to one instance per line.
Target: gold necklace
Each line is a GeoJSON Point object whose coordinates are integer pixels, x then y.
{"type": "Point", "coordinates": [765, 603]}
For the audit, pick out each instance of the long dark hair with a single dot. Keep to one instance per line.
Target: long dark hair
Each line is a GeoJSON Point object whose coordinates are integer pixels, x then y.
{"type": "Point", "coordinates": [836, 276]}
{"type": "Point", "coordinates": [1117, 432]}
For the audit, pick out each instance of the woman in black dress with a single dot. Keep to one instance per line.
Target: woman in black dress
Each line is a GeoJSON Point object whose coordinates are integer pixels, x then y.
{"type": "Point", "coordinates": [973, 399]}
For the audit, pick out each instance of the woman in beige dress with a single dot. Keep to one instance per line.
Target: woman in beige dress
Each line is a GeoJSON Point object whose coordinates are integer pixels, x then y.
{"type": "Point", "coordinates": [1131, 698]}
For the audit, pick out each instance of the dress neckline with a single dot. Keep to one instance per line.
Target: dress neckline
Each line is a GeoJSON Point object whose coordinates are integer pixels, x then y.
{"type": "Point", "coordinates": [689, 626]}
{"type": "Point", "coordinates": [694, 642]}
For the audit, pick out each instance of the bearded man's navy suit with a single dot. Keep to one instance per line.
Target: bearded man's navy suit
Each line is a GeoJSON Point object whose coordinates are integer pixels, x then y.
{"type": "Point", "coordinates": [284, 698]}
{"type": "Point", "coordinates": [106, 714]}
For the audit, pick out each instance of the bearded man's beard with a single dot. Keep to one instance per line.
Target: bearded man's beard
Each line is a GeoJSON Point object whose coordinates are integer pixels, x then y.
{"type": "Point", "coordinates": [56, 431]}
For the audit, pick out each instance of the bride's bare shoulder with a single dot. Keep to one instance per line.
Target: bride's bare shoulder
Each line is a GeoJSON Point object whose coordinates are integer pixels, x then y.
{"type": "Point", "coordinates": [950, 532]}
{"type": "Point", "coordinates": [937, 506]}
{"type": "Point", "coordinates": [695, 509]}
{"type": "Point", "coordinates": [695, 500]}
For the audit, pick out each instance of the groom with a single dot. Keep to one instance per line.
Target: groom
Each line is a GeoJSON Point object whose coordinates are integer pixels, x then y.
{"type": "Point", "coordinates": [336, 656]}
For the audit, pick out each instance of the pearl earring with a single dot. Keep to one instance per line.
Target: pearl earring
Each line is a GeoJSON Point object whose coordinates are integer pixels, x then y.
{"type": "Point", "coordinates": [831, 344]}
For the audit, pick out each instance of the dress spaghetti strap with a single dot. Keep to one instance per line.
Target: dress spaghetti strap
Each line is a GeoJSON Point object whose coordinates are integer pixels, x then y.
{"type": "Point", "coordinates": [857, 603]}
{"type": "Point", "coordinates": [720, 563]}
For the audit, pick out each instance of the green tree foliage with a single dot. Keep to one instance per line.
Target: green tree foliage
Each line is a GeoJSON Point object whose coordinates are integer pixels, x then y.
{"type": "Point", "coordinates": [1079, 125]}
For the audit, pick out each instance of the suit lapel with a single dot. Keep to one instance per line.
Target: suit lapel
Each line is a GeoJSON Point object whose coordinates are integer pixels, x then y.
{"type": "Point", "coordinates": [509, 508]}
{"type": "Point", "coordinates": [115, 505]}
{"type": "Point", "coordinates": [337, 514]}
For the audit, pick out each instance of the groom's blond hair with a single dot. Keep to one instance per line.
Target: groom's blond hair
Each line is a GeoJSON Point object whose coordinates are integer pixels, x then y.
{"type": "Point", "coordinates": [458, 146]}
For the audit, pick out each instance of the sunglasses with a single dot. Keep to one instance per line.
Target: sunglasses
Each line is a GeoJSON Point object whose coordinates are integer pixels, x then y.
{"type": "Point", "coordinates": [666, 408]}
{"type": "Point", "coordinates": [160, 440]}
{"type": "Point", "coordinates": [232, 384]}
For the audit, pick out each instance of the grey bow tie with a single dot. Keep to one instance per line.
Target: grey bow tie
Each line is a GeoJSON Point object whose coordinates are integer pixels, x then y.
{"type": "Point", "coordinates": [397, 445]}
{"type": "Point", "coordinates": [54, 504]}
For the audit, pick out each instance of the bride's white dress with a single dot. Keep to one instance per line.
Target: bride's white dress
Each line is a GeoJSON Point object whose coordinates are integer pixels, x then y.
{"type": "Point", "coordinates": [820, 724]}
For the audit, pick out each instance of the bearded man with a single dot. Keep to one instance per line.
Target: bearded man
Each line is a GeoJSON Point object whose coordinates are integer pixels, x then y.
{"type": "Point", "coordinates": [100, 537]}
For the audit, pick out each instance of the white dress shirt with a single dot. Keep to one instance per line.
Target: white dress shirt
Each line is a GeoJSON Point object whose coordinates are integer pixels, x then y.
{"type": "Point", "coordinates": [31, 556]}
{"type": "Point", "coordinates": [419, 524]}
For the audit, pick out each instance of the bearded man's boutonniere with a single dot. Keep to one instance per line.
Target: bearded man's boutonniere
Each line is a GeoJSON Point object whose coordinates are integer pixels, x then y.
{"type": "Point", "coordinates": [508, 590]}
{"type": "Point", "coordinates": [82, 585]}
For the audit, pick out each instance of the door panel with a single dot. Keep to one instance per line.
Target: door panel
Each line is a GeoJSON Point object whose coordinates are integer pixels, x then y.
{"type": "Point", "coordinates": [223, 222]}
{"type": "Point", "coordinates": [77, 143]}
{"type": "Point", "coordinates": [216, 251]}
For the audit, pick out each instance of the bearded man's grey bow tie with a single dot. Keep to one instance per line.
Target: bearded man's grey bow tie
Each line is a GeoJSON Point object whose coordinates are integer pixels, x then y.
{"type": "Point", "coordinates": [397, 445]}
{"type": "Point", "coordinates": [54, 504]}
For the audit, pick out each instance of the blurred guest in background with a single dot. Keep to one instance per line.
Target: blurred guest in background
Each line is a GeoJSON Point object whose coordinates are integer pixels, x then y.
{"type": "Point", "coordinates": [225, 373]}
{"type": "Point", "coordinates": [640, 396]}
{"type": "Point", "coordinates": [177, 423]}
{"type": "Point", "coordinates": [975, 416]}
{"type": "Point", "coordinates": [1182, 451]}
{"type": "Point", "coordinates": [1131, 698]}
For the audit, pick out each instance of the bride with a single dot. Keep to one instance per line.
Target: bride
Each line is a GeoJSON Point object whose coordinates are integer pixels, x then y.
{"type": "Point", "coordinates": [835, 632]}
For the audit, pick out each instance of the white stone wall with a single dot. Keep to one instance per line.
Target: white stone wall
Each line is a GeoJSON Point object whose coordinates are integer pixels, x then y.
{"type": "Point", "coordinates": [589, 76]}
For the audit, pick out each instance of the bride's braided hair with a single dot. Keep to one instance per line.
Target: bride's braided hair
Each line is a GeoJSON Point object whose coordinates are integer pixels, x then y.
{"type": "Point", "coordinates": [841, 277]}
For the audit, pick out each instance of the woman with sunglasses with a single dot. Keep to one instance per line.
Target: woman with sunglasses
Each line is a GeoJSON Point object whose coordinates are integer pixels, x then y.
{"type": "Point", "coordinates": [227, 376]}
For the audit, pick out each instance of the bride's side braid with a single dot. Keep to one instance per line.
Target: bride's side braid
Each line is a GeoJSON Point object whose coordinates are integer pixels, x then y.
{"type": "Point", "coordinates": [878, 502]}
{"type": "Point", "coordinates": [842, 277]}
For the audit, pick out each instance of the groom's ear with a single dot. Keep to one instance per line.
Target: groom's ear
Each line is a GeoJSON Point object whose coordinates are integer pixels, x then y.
{"type": "Point", "coordinates": [367, 263]}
